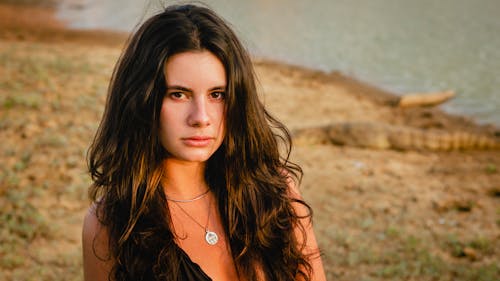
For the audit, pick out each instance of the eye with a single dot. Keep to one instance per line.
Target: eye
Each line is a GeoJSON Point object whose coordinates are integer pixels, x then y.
{"type": "Point", "coordinates": [218, 95]}
{"type": "Point", "coordinates": [176, 95]}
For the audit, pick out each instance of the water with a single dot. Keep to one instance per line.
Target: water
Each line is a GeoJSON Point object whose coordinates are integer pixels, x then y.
{"type": "Point", "coordinates": [400, 45]}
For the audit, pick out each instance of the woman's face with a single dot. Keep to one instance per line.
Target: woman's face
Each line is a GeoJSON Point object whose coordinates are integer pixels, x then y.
{"type": "Point", "coordinates": [192, 114]}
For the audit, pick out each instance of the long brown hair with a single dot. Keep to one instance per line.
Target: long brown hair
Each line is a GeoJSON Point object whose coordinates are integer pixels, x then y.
{"type": "Point", "coordinates": [247, 173]}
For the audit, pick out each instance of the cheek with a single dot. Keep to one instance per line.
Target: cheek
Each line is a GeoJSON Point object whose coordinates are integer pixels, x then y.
{"type": "Point", "coordinates": [222, 122]}
{"type": "Point", "coordinates": [166, 123]}
{"type": "Point", "coordinates": [163, 117]}
{"type": "Point", "coordinates": [167, 117]}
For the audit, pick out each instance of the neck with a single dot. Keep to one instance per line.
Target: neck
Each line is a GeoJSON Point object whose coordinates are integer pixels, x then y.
{"type": "Point", "coordinates": [183, 180]}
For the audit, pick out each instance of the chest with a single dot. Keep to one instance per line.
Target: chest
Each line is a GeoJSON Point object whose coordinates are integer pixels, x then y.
{"type": "Point", "coordinates": [214, 259]}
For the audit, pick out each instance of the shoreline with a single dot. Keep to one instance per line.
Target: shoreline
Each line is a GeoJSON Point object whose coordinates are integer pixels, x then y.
{"type": "Point", "coordinates": [384, 69]}
{"type": "Point", "coordinates": [29, 22]}
{"type": "Point", "coordinates": [412, 214]}
{"type": "Point", "coordinates": [35, 21]}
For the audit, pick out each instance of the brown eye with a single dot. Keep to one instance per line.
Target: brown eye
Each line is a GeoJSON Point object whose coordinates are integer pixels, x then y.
{"type": "Point", "coordinates": [176, 95]}
{"type": "Point", "coordinates": [217, 95]}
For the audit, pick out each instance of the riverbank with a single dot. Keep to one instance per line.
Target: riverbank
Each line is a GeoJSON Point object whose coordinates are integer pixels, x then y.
{"type": "Point", "coordinates": [379, 214]}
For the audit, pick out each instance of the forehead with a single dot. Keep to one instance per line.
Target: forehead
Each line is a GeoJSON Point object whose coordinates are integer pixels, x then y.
{"type": "Point", "coordinates": [195, 69]}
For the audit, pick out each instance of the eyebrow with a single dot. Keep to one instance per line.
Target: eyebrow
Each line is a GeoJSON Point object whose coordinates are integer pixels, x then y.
{"type": "Point", "coordinates": [184, 89]}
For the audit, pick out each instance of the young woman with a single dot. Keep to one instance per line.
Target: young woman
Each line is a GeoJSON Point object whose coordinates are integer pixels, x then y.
{"type": "Point", "coordinates": [188, 181]}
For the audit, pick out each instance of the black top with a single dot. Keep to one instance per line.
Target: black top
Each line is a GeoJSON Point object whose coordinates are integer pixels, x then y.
{"type": "Point", "coordinates": [189, 270]}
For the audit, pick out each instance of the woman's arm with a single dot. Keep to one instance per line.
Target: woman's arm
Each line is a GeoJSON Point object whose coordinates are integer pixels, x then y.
{"type": "Point", "coordinates": [97, 263]}
{"type": "Point", "coordinates": [311, 248]}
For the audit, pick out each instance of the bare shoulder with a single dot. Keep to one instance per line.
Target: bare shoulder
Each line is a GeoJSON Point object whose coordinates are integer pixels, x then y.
{"type": "Point", "coordinates": [91, 223]}
{"type": "Point", "coordinates": [93, 232]}
{"type": "Point", "coordinates": [306, 235]}
{"type": "Point", "coordinates": [97, 262]}
{"type": "Point", "coordinates": [293, 189]}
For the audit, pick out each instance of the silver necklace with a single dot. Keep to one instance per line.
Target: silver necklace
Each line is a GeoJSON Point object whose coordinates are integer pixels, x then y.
{"type": "Point", "coordinates": [189, 200]}
{"type": "Point", "coordinates": [210, 236]}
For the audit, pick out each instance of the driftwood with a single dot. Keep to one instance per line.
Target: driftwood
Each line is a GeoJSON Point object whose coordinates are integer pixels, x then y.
{"type": "Point", "coordinates": [382, 136]}
{"type": "Point", "coordinates": [425, 99]}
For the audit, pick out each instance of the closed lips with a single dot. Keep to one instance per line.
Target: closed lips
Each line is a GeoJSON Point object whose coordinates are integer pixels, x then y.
{"type": "Point", "coordinates": [198, 141]}
{"type": "Point", "coordinates": [198, 138]}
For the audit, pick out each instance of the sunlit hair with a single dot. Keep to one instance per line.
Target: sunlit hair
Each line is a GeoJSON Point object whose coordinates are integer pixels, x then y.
{"type": "Point", "coordinates": [247, 174]}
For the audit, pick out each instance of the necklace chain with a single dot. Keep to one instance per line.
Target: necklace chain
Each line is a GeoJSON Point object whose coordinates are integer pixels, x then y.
{"type": "Point", "coordinates": [187, 214]}
{"type": "Point", "coordinates": [210, 237]}
{"type": "Point", "coordinates": [188, 200]}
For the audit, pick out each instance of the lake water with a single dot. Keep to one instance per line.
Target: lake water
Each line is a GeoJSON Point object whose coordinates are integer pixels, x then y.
{"type": "Point", "coordinates": [399, 45]}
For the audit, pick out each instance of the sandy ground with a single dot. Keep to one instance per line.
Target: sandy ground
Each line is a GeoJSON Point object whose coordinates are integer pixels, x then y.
{"type": "Point", "coordinates": [379, 214]}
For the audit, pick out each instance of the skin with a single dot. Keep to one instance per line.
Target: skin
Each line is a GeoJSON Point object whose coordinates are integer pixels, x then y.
{"type": "Point", "coordinates": [191, 130]}
{"type": "Point", "coordinates": [192, 114]}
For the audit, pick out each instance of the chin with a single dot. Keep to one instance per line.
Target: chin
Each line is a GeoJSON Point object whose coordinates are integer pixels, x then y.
{"type": "Point", "coordinates": [194, 157]}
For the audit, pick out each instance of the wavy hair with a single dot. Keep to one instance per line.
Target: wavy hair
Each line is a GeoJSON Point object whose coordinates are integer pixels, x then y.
{"type": "Point", "coordinates": [248, 174]}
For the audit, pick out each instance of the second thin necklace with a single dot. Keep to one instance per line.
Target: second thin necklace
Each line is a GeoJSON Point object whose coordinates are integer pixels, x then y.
{"type": "Point", "coordinates": [210, 236]}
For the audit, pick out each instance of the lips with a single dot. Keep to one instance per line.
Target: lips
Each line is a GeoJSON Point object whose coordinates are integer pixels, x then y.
{"type": "Point", "coordinates": [197, 141]}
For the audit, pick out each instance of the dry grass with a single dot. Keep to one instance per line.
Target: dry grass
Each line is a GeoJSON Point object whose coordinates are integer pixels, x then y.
{"type": "Point", "coordinates": [50, 104]}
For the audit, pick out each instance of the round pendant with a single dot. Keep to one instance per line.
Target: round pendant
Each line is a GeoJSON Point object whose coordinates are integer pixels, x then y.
{"type": "Point", "coordinates": [211, 237]}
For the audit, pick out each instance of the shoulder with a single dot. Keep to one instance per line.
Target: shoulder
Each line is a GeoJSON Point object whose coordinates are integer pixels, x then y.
{"type": "Point", "coordinates": [90, 222]}
{"type": "Point", "coordinates": [97, 261]}
{"type": "Point", "coordinates": [304, 232]}
{"type": "Point", "coordinates": [93, 232]}
{"type": "Point", "coordinates": [299, 205]}
{"type": "Point", "coordinates": [291, 181]}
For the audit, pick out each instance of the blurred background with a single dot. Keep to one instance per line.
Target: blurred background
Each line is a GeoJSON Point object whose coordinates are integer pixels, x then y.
{"type": "Point", "coordinates": [402, 46]}
{"type": "Point", "coordinates": [405, 194]}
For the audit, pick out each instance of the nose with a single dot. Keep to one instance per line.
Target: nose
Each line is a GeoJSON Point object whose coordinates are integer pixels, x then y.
{"type": "Point", "coordinates": [198, 116]}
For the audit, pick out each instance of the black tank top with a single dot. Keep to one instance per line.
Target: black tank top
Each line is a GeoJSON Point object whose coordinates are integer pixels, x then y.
{"type": "Point", "coordinates": [189, 270]}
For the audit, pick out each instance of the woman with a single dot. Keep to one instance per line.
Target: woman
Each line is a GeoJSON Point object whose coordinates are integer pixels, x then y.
{"type": "Point", "coordinates": [188, 182]}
